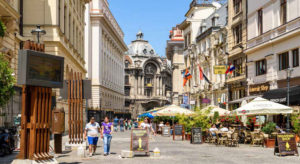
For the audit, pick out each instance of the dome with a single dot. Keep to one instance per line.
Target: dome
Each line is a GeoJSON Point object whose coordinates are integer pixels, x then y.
{"type": "Point", "coordinates": [140, 47]}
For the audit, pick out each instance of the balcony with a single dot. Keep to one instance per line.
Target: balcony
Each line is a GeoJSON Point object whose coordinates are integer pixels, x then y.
{"type": "Point", "coordinates": [149, 85]}
{"type": "Point", "coordinates": [274, 35]}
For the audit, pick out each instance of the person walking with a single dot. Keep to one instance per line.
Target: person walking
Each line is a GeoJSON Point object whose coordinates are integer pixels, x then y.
{"type": "Point", "coordinates": [91, 132]}
{"type": "Point", "coordinates": [106, 134]}
{"type": "Point", "coordinates": [126, 124]}
{"type": "Point", "coordinates": [147, 125]}
{"type": "Point", "coordinates": [116, 123]}
{"type": "Point", "coordinates": [121, 124]}
{"type": "Point", "coordinates": [129, 124]}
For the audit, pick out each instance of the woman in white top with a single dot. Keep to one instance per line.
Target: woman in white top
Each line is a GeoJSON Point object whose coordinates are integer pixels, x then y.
{"type": "Point", "coordinates": [146, 125]}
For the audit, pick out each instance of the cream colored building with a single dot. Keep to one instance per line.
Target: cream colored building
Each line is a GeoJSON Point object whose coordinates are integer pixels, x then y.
{"type": "Point", "coordinates": [237, 39]}
{"type": "Point", "coordinates": [105, 49]}
{"type": "Point", "coordinates": [174, 53]}
{"type": "Point", "coordinates": [211, 48]}
{"type": "Point", "coordinates": [9, 46]}
{"type": "Point", "coordinates": [273, 47]}
{"type": "Point", "coordinates": [199, 10]}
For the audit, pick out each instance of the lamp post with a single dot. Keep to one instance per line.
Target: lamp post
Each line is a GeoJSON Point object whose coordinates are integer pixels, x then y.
{"type": "Point", "coordinates": [288, 72]}
{"type": "Point", "coordinates": [38, 32]}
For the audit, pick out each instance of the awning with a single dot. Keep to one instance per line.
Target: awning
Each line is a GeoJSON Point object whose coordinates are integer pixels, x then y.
{"type": "Point", "coordinates": [242, 99]}
{"type": "Point", "coordinates": [280, 95]}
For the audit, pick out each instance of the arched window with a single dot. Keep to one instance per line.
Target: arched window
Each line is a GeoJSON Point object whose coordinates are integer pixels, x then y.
{"type": "Point", "coordinates": [150, 72]}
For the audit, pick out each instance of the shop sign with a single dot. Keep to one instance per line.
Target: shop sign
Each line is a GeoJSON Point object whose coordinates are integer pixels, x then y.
{"type": "Point", "coordinates": [192, 102]}
{"type": "Point", "coordinates": [178, 131]}
{"type": "Point", "coordinates": [286, 144]}
{"type": "Point", "coordinates": [259, 88]}
{"type": "Point", "coordinates": [220, 69]}
{"type": "Point", "coordinates": [139, 140]}
{"type": "Point", "coordinates": [206, 101]}
{"type": "Point", "coordinates": [166, 131]}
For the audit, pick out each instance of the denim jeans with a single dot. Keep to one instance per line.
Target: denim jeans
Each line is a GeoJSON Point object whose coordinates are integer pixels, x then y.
{"type": "Point", "coordinates": [106, 143]}
{"type": "Point", "coordinates": [122, 128]}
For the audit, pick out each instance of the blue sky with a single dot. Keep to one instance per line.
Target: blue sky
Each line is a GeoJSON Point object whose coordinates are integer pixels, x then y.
{"type": "Point", "coordinates": [154, 17]}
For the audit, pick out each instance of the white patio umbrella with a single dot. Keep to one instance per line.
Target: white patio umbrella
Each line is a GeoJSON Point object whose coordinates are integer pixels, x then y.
{"type": "Point", "coordinates": [261, 106]}
{"type": "Point", "coordinates": [173, 110]}
{"type": "Point", "coordinates": [212, 109]}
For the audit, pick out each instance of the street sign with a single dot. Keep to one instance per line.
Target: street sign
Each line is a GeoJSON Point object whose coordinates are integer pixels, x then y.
{"type": "Point", "coordinates": [139, 141]}
{"type": "Point", "coordinates": [196, 136]}
{"type": "Point", "coordinates": [166, 131]}
{"type": "Point", "coordinates": [220, 69]}
{"type": "Point", "coordinates": [178, 130]}
{"type": "Point", "coordinates": [285, 144]}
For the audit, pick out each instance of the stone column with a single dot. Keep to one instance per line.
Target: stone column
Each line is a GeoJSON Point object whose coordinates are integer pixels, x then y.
{"type": "Point", "coordinates": [143, 85]}
{"type": "Point", "coordinates": [154, 86]}
{"type": "Point", "coordinates": [161, 86]}
{"type": "Point", "coordinates": [136, 85]}
{"type": "Point", "coordinates": [164, 88]}
{"type": "Point", "coordinates": [158, 88]}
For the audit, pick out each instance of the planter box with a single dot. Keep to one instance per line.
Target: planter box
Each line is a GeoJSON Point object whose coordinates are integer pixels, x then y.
{"type": "Point", "coordinates": [269, 143]}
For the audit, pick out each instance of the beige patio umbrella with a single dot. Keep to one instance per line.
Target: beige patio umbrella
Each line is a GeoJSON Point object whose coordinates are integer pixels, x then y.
{"type": "Point", "coordinates": [212, 109]}
{"type": "Point", "coordinates": [173, 110]}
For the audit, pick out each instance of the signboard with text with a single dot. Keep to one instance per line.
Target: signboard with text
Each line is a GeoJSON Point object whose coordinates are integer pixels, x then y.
{"type": "Point", "coordinates": [166, 131]}
{"type": "Point", "coordinates": [139, 140]}
{"type": "Point", "coordinates": [178, 130]}
{"type": "Point", "coordinates": [285, 144]}
{"type": "Point", "coordinates": [196, 136]}
{"type": "Point", "coordinates": [220, 69]}
{"type": "Point", "coordinates": [259, 88]}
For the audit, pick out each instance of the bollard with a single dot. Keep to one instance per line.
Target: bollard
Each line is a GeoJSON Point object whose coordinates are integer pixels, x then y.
{"type": "Point", "coordinates": [156, 152]}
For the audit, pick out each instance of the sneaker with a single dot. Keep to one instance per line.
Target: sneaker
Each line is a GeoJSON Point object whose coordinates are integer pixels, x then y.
{"type": "Point", "coordinates": [105, 154]}
{"type": "Point", "coordinates": [90, 155]}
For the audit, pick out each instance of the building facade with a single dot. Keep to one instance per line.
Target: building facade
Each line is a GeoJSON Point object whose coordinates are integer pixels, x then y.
{"type": "Point", "coordinates": [237, 40]}
{"type": "Point", "coordinates": [199, 10]}
{"type": "Point", "coordinates": [174, 53]}
{"type": "Point", "coordinates": [148, 78]}
{"type": "Point", "coordinates": [105, 51]}
{"type": "Point", "coordinates": [273, 49]}
{"type": "Point", "coordinates": [211, 50]}
{"type": "Point", "coordinates": [64, 23]}
{"type": "Point", "coordinates": [9, 46]}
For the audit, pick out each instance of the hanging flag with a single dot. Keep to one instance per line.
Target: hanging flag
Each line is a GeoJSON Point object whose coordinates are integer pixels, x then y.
{"type": "Point", "coordinates": [202, 75]}
{"type": "Point", "coordinates": [187, 77]}
{"type": "Point", "coordinates": [230, 69]}
{"type": "Point", "coordinates": [200, 72]}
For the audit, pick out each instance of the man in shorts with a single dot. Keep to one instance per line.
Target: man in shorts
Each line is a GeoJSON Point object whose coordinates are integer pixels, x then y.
{"type": "Point", "coordinates": [91, 132]}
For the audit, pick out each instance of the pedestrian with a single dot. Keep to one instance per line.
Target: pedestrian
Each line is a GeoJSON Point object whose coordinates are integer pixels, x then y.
{"type": "Point", "coordinates": [106, 134]}
{"type": "Point", "coordinates": [92, 130]}
{"type": "Point", "coordinates": [147, 125]}
{"type": "Point", "coordinates": [126, 124]}
{"type": "Point", "coordinates": [116, 123]}
{"type": "Point", "coordinates": [136, 124]}
{"type": "Point", "coordinates": [129, 124]}
{"type": "Point", "coordinates": [121, 124]}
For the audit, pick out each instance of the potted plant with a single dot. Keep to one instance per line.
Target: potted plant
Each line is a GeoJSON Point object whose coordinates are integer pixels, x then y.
{"type": "Point", "coordinates": [296, 126]}
{"type": "Point", "coordinates": [269, 129]}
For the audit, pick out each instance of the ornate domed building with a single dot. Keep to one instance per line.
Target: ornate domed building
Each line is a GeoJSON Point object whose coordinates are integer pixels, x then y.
{"type": "Point", "coordinates": [148, 78]}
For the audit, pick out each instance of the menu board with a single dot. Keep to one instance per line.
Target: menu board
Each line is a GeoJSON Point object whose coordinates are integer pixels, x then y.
{"type": "Point", "coordinates": [286, 144]}
{"type": "Point", "coordinates": [166, 131]}
{"type": "Point", "coordinates": [178, 130]}
{"type": "Point", "coordinates": [139, 140]}
{"type": "Point", "coordinates": [196, 136]}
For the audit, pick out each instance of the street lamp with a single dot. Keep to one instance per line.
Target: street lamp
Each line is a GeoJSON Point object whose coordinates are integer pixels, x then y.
{"type": "Point", "coordinates": [38, 32]}
{"type": "Point", "coordinates": [288, 73]}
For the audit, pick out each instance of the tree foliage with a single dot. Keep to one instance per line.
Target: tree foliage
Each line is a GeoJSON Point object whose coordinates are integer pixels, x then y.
{"type": "Point", "coordinates": [2, 29]}
{"type": "Point", "coordinates": [296, 123]}
{"type": "Point", "coordinates": [6, 81]}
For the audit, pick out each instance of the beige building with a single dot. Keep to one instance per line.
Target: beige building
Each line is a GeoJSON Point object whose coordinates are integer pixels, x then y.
{"type": "Point", "coordinates": [9, 46]}
{"type": "Point", "coordinates": [148, 78]}
{"type": "Point", "coordinates": [237, 39]}
{"type": "Point", "coordinates": [174, 53]}
{"type": "Point", "coordinates": [105, 50]}
{"type": "Point", "coordinates": [63, 21]}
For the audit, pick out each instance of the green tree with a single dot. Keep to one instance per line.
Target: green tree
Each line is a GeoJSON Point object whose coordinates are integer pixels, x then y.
{"type": "Point", "coordinates": [2, 29]}
{"type": "Point", "coordinates": [7, 81]}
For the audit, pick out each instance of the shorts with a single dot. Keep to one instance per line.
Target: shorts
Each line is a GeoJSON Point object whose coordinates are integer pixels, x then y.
{"type": "Point", "coordinates": [92, 140]}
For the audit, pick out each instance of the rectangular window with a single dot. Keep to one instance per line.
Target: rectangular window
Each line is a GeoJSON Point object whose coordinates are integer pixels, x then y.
{"type": "Point", "coordinates": [238, 34]}
{"type": "Point", "coordinates": [237, 5]}
{"type": "Point", "coordinates": [213, 21]}
{"type": "Point", "coordinates": [261, 67]}
{"type": "Point", "coordinates": [295, 57]}
{"type": "Point", "coordinates": [283, 61]}
{"type": "Point", "coordinates": [283, 11]}
{"type": "Point", "coordinates": [127, 80]}
{"type": "Point", "coordinates": [260, 21]}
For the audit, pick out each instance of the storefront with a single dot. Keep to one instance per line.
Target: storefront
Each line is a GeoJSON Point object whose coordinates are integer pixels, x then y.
{"type": "Point", "coordinates": [280, 95]}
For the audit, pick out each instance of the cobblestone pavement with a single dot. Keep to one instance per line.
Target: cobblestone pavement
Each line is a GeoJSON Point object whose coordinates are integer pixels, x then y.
{"type": "Point", "coordinates": [181, 152]}
{"type": "Point", "coordinates": [174, 152]}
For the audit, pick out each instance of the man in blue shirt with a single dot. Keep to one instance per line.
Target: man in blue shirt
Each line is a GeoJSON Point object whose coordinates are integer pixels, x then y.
{"type": "Point", "coordinates": [116, 123]}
